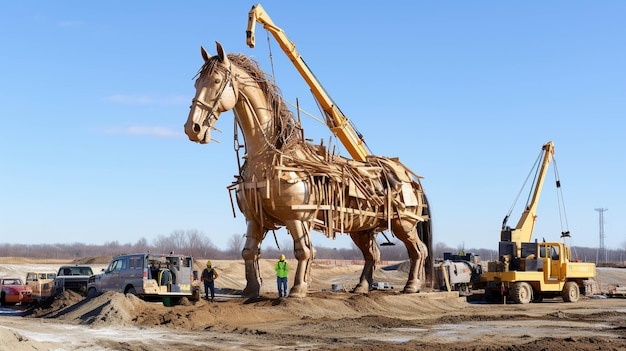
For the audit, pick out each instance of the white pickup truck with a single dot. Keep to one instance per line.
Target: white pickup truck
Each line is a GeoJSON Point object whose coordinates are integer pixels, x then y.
{"type": "Point", "coordinates": [73, 278]}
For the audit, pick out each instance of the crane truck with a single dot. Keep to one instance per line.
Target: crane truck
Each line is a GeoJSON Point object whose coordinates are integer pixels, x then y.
{"type": "Point", "coordinates": [529, 271]}
{"type": "Point", "coordinates": [338, 123]}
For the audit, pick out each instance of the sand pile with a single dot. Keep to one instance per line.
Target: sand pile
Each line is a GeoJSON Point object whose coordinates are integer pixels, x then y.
{"type": "Point", "coordinates": [108, 309]}
{"type": "Point", "coordinates": [12, 340]}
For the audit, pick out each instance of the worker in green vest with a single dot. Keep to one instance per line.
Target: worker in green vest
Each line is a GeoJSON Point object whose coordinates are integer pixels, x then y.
{"type": "Point", "coordinates": [282, 271]}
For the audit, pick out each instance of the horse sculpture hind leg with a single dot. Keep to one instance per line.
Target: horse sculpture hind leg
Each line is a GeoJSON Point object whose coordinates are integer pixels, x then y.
{"type": "Point", "coordinates": [366, 242]}
{"type": "Point", "coordinates": [417, 255]}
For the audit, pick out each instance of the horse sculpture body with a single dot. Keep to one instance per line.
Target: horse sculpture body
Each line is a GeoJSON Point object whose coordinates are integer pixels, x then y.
{"type": "Point", "coordinates": [288, 182]}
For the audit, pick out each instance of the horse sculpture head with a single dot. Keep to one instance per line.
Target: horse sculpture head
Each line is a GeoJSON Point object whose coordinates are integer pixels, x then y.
{"type": "Point", "coordinates": [216, 92]}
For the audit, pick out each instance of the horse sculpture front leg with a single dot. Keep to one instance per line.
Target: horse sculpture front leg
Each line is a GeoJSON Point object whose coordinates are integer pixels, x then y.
{"type": "Point", "coordinates": [366, 242]}
{"type": "Point", "coordinates": [250, 255]}
{"type": "Point", "coordinates": [303, 251]}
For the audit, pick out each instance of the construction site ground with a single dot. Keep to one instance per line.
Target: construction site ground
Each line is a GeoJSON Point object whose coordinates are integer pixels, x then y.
{"type": "Point", "coordinates": [330, 318]}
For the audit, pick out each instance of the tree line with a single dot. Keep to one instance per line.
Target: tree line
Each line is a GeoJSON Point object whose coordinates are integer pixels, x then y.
{"type": "Point", "coordinates": [195, 243]}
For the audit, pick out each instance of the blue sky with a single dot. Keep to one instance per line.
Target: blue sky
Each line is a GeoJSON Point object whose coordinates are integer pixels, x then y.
{"type": "Point", "coordinates": [94, 96]}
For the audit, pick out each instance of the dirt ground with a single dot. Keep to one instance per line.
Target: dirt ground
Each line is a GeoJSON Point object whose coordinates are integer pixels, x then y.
{"type": "Point", "coordinates": [328, 319]}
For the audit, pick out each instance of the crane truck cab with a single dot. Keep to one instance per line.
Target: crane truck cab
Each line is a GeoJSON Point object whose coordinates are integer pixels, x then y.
{"type": "Point", "coordinates": [529, 271]}
{"type": "Point", "coordinates": [545, 271]}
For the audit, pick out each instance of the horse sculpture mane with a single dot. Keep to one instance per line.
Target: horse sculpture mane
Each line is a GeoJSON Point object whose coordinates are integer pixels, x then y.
{"type": "Point", "coordinates": [286, 181]}
{"type": "Point", "coordinates": [284, 117]}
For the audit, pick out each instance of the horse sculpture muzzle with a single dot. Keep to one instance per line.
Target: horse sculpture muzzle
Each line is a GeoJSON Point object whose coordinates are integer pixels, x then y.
{"type": "Point", "coordinates": [200, 122]}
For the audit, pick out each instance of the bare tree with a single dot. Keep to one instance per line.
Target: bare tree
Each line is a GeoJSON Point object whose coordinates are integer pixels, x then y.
{"type": "Point", "coordinates": [440, 248]}
{"type": "Point", "coordinates": [162, 243]}
{"type": "Point", "coordinates": [195, 240]}
{"type": "Point", "coordinates": [179, 240]}
{"type": "Point", "coordinates": [112, 244]}
{"type": "Point", "coordinates": [235, 245]}
{"type": "Point", "coordinates": [141, 245]}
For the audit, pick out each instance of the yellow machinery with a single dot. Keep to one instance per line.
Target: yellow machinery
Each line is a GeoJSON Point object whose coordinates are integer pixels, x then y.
{"type": "Point", "coordinates": [529, 271]}
{"type": "Point", "coordinates": [338, 123]}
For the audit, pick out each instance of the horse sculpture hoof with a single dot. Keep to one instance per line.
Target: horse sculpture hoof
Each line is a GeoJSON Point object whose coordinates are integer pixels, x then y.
{"type": "Point", "coordinates": [361, 289]}
{"type": "Point", "coordinates": [298, 291]}
{"type": "Point", "coordinates": [412, 287]}
{"type": "Point", "coordinates": [250, 292]}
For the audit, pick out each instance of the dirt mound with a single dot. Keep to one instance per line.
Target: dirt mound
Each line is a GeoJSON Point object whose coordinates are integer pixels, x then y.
{"type": "Point", "coordinates": [28, 260]}
{"type": "Point", "coordinates": [403, 266]}
{"type": "Point", "coordinates": [12, 340]}
{"type": "Point", "coordinates": [51, 307]}
{"type": "Point", "coordinates": [110, 308]}
{"type": "Point", "coordinates": [113, 309]}
{"type": "Point", "coordinates": [93, 260]}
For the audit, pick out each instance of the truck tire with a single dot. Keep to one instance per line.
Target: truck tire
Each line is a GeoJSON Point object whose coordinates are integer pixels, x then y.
{"type": "Point", "coordinates": [91, 293]}
{"type": "Point", "coordinates": [571, 292]}
{"type": "Point", "coordinates": [195, 296]}
{"type": "Point", "coordinates": [522, 292]}
{"type": "Point", "coordinates": [130, 290]}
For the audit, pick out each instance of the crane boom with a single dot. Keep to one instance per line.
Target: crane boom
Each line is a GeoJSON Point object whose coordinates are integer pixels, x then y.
{"type": "Point", "coordinates": [338, 123]}
{"type": "Point", "coordinates": [524, 230]}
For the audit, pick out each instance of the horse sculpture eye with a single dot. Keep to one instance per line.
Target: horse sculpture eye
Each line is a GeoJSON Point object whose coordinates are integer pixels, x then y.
{"type": "Point", "coordinates": [218, 80]}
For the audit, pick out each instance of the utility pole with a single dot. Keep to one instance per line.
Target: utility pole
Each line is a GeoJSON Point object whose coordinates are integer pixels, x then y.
{"type": "Point", "coordinates": [601, 249]}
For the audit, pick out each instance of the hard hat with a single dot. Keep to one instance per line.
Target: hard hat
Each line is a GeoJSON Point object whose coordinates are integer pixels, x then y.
{"type": "Point", "coordinates": [282, 257]}
{"type": "Point", "coordinates": [208, 263]}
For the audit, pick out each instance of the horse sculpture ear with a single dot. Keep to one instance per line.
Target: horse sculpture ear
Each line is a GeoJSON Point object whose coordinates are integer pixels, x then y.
{"type": "Point", "coordinates": [205, 55]}
{"type": "Point", "coordinates": [220, 53]}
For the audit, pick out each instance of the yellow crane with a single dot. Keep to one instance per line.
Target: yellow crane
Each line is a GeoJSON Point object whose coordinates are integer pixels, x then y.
{"type": "Point", "coordinates": [530, 271]}
{"type": "Point", "coordinates": [338, 123]}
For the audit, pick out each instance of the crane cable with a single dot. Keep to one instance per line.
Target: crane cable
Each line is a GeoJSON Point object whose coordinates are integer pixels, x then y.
{"type": "Point", "coordinates": [536, 167]}
{"type": "Point", "coordinates": [565, 233]}
{"type": "Point", "coordinates": [269, 46]}
{"type": "Point", "coordinates": [271, 57]}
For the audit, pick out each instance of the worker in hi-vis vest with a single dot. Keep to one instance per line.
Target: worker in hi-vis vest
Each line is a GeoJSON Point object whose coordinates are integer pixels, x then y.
{"type": "Point", "coordinates": [282, 271]}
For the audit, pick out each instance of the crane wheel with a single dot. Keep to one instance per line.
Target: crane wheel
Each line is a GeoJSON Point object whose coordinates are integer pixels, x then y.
{"type": "Point", "coordinates": [571, 292]}
{"type": "Point", "coordinates": [522, 292]}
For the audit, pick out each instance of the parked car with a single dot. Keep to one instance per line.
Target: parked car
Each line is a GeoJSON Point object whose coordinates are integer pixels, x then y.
{"type": "Point", "coordinates": [42, 284]}
{"type": "Point", "coordinates": [72, 278]}
{"type": "Point", "coordinates": [14, 291]}
{"type": "Point", "coordinates": [148, 276]}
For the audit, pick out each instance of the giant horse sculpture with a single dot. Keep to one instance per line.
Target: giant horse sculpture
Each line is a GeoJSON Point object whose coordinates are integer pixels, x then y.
{"type": "Point", "coordinates": [286, 181]}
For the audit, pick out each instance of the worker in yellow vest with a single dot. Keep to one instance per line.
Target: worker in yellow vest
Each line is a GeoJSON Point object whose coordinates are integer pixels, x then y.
{"type": "Point", "coordinates": [209, 274]}
{"type": "Point", "coordinates": [282, 271]}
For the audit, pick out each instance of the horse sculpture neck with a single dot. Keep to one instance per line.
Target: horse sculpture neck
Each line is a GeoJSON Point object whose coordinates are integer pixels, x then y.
{"type": "Point", "coordinates": [252, 114]}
